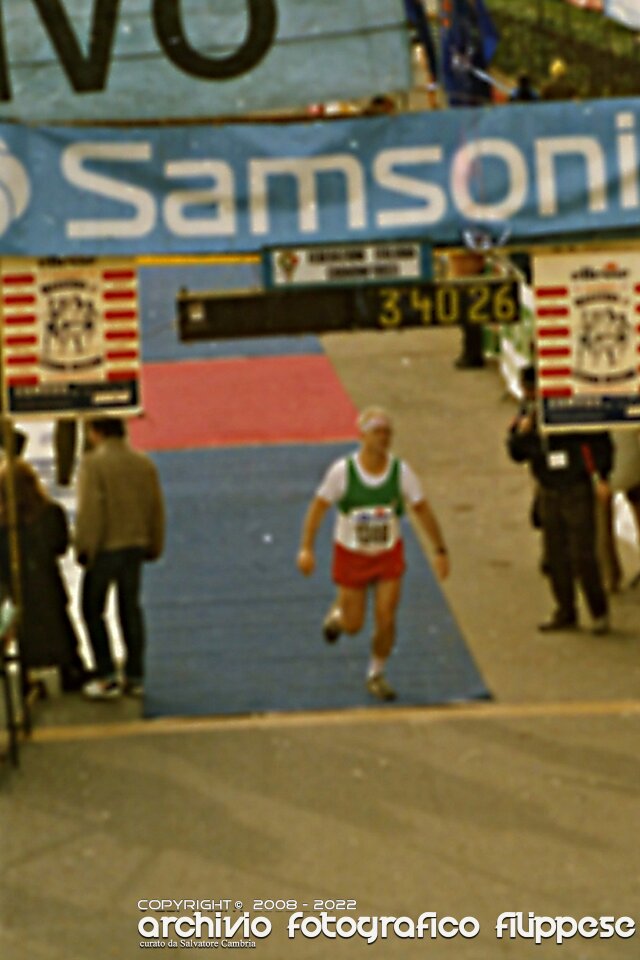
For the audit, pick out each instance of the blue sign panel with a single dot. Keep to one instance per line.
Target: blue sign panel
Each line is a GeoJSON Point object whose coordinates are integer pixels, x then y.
{"type": "Point", "coordinates": [106, 60]}
{"type": "Point", "coordinates": [515, 173]}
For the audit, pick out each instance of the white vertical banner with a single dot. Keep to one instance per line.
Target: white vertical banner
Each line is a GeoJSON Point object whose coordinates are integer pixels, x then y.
{"type": "Point", "coordinates": [625, 11]}
{"type": "Point", "coordinates": [588, 339]}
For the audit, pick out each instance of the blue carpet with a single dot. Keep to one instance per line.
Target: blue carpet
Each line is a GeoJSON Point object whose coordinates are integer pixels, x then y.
{"type": "Point", "coordinates": [233, 628]}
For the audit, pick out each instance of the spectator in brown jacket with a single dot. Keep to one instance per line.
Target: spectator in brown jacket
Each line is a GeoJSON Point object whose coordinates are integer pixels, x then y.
{"type": "Point", "coordinates": [119, 526]}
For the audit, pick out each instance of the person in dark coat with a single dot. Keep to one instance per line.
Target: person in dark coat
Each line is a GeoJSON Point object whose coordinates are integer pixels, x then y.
{"type": "Point", "coordinates": [571, 469]}
{"type": "Point", "coordinates": [47, 635]}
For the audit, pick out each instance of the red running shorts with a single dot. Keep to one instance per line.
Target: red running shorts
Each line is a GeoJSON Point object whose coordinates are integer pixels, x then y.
{"type": "Point", "coordinates": [358, 570]}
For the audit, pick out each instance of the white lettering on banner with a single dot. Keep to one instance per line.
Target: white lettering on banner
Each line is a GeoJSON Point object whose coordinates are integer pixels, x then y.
{"type": "Point", "coordinates": [433, 197]}
{"type": "Point", "coordinates": [548, 148]}
{"type": "Point", "coordinates": [305, 171]}
{"type": "Point", "coordinates": [241, 198]}
{"type": "Point", "coordinates": [15, 189]}
{"type": "Point", "coordinates": [463, 165]}
{"type": "Point", "coordinates": [628, 161]}
{"type": "Point", "coordinates": [221, 194]}
{"type": "Point", "coordinates": [76, 173]}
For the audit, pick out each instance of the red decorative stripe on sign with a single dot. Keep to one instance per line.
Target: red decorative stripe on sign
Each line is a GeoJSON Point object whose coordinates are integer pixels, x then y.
{"type": "Point", "coordinates": [13, 319]}
{"type": "Point", "coordinates": [552, 312]}
{"type": "Point", "coordinates": [555, 372]}
{"type": "Point", "coordinates": [16, 299]}
{"type": "Point", "coordinates": [556, 393]}
{"type": "Point", "coordinates": [637, 287]}
{"type": "Point", "coordinates": [32, 381]}
{"type": "Point", "coordinates": [21, 340]}
{"type": "Point", "coordinates": [22, 360]}
{"type": "Point", "coordinates": [553, 332]}
{"type": "Point", "coordinates": [115, 375]}
{"type": "Point", "coordinates": [119, 275]}
{"type": "Point", "coordinates": [121, 314]}
{"type": "Point", "coordinates": [17, 279]}
{"type": "Point", "coordinates": [548, 352]}
{"type": "Point", "coordinates": [552, 291]}
{"type": "Point", "coordinates": [121, 335]}
{"type": "Point", "coordinates": [119, 294]}
{"type": "Point", "coordinates": [122, 355]}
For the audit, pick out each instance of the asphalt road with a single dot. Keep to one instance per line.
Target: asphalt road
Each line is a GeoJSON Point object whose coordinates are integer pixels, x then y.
{"type": "Point", "coordinates": [528, 803]}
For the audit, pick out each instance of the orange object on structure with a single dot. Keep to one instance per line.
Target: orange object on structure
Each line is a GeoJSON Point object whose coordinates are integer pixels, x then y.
{"type": "Point", "coordinates": [596, 5]}
{"type": "Point", "coordinates": [465, 264]}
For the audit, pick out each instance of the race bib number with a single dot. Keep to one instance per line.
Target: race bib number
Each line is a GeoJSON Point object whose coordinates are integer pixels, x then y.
{"type": "Point", "coordinates": [558, 459]}
{"type": "Point", "coordinates": [374, 527]}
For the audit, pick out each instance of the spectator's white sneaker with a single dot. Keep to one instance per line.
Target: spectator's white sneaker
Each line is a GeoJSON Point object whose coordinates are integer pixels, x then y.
{"type": "Point", "coordinates": [601, 626]}
{"type": "Point", "coordinates": [100, 689]}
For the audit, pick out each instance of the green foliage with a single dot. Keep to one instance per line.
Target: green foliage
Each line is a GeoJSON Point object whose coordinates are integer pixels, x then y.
{"type": "Point", "coordinates": [603, 57]}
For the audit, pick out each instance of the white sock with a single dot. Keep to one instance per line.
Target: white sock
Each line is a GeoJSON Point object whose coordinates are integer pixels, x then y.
{"type": "Point", "coordinates": [376, 666]}
{"type": "Point", "coordinates": [335, 614]}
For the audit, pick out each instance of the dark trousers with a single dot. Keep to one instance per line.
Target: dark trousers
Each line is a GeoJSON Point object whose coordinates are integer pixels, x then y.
{"type": "Point", "coordinates": [64, 443]}
{"type": "Point", "coordinates": [472, 353]}
{"type": "Point", "coordinates": [123, 568]}
{"type": "Point", "coordinates": [569, 531]}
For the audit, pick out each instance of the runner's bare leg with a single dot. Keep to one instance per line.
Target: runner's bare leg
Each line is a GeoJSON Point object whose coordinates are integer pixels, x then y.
{"type": "Point", "coordinates": [351, 604]}
{"type": "Point", "coordinates": [387, 597]}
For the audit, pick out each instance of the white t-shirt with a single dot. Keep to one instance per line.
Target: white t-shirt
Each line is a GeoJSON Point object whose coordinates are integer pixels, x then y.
{"type": "Point", "coordinates": [334, 483]}
{"type": "Point", "coordinates": [367, 530]}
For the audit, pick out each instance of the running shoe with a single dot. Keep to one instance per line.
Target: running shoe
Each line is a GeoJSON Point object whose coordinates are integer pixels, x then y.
{"type": "Point", "coordinates": [379, 687]}
{"type": "Point", "coordinates": [102, 689]}
{"type": "Point", "coordinates": [331, 628]}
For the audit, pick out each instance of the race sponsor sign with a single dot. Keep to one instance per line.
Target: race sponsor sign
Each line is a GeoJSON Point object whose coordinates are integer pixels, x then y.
{"type": "Point", "coordinates": [588, 339]}
{"type": "Point", "coordinates": [347, 264]}
{"type": "Point", "coordinates": [70, 336]}
{"type": "Point", "coordinates": [524, 172]}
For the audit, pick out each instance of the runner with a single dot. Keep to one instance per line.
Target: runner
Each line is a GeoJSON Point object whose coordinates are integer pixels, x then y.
{"type": "Point", "coordinates": [369, 489]}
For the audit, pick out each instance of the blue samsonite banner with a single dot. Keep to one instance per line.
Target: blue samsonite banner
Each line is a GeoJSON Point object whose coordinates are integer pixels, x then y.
{"type": "Point", "coordinates": [63, 60]}
{"type": "Point", "coordinates": [513, 173]}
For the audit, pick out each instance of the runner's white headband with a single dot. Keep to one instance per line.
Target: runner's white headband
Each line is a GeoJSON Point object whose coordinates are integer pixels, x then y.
{"type": "Point", "coordinates": [375, 421]}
